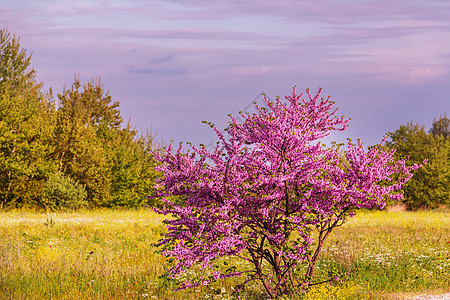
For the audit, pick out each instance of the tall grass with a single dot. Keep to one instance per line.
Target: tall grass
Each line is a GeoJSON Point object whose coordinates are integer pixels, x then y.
{"type": "Point", "coordinates": [384, 253]}
{"type": "Point", "coordinates": [109, 255]}
{"type": "Point", "coordinates": [90, 255]}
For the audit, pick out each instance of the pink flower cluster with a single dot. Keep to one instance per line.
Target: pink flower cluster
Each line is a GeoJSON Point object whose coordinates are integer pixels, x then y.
{"type": "Point", "coordinates": [264, 187]}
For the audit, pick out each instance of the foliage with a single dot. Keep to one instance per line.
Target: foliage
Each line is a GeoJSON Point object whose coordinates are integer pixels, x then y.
{"type": "Point", "coordinates": [441, 127]}
{"type": "Point", "coordinates": [430, 187]}
{"type": "Point", "coordinates": [264, 190]}
{"type": "Point", "coordinates": [16, 75]}
{"type": "Point", "coordinates": [26, 127]}
{"type": "Point", "coordinates": [63, 192]}
{"type": "Point", "coordinates": [131, 168]}
{"type": "Point", "coordinates": [82, 139]}
{"type": "Point", "coordinates": [78, 149]}
{"type": "Point", "coordinates": [113, 163]}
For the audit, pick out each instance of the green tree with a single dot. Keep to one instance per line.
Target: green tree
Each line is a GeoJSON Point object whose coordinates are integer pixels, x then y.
{"type": "Point", "coordinates": [430, 186]}
{"type": "Point", "coordinates": [16, 74]}
{"type": "Point", "coordinates": [82, 141]}
{"type": "Point", "coordinates": [26, 127]}
{"type": "Point", "coordinates": [131, 168]}
{"type": "Point", "coordinates": [113, 163]}
{"type": "Point", "coordinates": [441, 127]}
{"type": "Point", "coordinates": [78, 150]}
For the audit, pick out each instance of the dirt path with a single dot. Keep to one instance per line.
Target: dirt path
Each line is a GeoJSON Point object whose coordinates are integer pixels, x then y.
{"type": "Point", "coordinates": [432, 297]}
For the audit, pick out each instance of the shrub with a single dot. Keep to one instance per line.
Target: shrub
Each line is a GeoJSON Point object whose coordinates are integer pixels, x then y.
{"type": "Point", "coordinates": [62, 192]}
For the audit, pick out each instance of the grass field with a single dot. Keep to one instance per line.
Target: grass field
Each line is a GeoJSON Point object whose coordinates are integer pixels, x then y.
{"type": "Point", "coordinates": [109, 255]}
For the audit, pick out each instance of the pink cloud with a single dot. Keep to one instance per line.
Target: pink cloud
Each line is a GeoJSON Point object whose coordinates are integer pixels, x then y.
{"type": "Point", "coordinates": [331, 12]}
{"type": "Point", "coordinates": [428, 73]}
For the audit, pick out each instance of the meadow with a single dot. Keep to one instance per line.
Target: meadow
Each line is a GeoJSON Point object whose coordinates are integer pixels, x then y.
{"type": "Point", "coordinates": [109, 254]}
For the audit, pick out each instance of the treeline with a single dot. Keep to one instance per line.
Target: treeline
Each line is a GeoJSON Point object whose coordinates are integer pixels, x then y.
{"type": "Point", "coordinates": [77, 153]}
{"type": "Point", "coordinates": [430, 185]}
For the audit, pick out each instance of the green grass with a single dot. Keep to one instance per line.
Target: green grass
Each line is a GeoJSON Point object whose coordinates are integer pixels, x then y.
{"type": "Point", "coordinates": [385, 253]}
{"type": "Point", "coordinates": [109, 255]}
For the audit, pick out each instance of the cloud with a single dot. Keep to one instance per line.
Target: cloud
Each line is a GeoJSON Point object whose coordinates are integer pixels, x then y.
{"type": "Point", "coordinates": [164, 71]}
{"type": "Point", "coordinates": [160, 72]}
{"type": "Point", "coordinates": [161, 59]}
{"type": "Point", "coordinates": [193, 34]}
{"type": "Point", "coordinates": [445, 56]}
{"type": "Point", "coordinates": [328, 11]}
{"type": "Point", "coordinates": [426, 73]}
{"type": "Point", "coordinates": [139, 35]}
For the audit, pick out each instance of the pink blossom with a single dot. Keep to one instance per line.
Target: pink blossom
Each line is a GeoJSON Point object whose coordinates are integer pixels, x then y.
{"type": "Point", "coordinates": [271, 177]}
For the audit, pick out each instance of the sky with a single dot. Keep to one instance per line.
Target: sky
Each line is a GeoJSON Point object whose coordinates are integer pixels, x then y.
{"type": "Point", "coordinates": [174, 63]}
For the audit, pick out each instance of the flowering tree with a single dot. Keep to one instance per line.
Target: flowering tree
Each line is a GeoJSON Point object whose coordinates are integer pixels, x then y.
{"type": "Point", "coordinates": [264, 192]}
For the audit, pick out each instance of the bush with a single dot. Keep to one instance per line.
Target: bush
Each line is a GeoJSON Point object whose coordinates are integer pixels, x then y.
{"type": "Point", "coordinates": [62, 192]}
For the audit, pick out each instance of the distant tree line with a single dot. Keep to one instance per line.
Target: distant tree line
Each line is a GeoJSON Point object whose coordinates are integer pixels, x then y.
{"type": "Point", "coordinates": [430, 186]}
{"type": "Point", "coordinates": [74, 154]}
